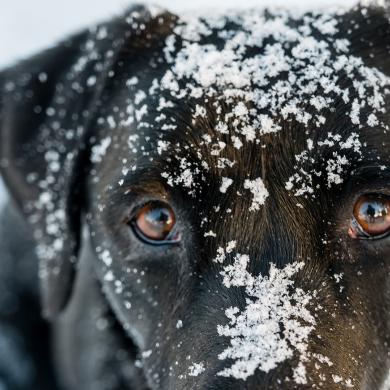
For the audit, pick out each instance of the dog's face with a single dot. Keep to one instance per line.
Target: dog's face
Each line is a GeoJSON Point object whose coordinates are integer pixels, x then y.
{"type": "Point", "coordinates": [234, 175]}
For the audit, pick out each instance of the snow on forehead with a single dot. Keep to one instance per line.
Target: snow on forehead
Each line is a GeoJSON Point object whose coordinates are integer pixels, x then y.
{"type": "Point", "coordinates": [280, 64]}
{"type": "Point", "coordinates": [254, 70]}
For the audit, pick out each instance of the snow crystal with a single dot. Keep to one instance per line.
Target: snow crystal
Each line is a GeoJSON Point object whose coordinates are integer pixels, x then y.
{"type": "Point", "coordinates": [259, 192]}
{"type": "Point", "coordinates": [132, 81]}
{"type": "Point", "coordinates": [185, 177]}
{"type": "Point", "coordinates": [334, 166]}
{"type": "Point", "coordinates": [221, 252]}
{"type": "Point", "coordinates": [179, 324]}
{"type": "Point", "coordinates": [337, 378]}
{"type": "Point", "coordinates": [42, 77]}
{"type": "Point", "coordinates": [274, 324]}
{"type": "Point", "coordinates": [91, 81]}
{"type": "Point", "coordinates": [162, 146]}
{"type": "Point", "coordinates": [52, 158]}
{"type": "Point", "coordinates": [226, 183]}
{"type": "Point", "coordinates": [230, 246]}
{"type": "Point", "coordinates": [237, 274]}
{"type": "Point", "coordinates": [109, 276]}
{"type": "Point", "coordinates": [105, 256]}
{"type": "Point", "coordinates": [196, 369]}
{"type": "Point", "coordinates": [147, 354]}
{"type": "Point", "coordinates": [210, 233]}
{"type": "Point", "coordinates": [99, 150]}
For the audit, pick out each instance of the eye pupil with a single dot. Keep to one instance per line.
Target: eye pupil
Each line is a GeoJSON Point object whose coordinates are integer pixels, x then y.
{"type": "Point", "coordinates": [155, 221]}
{"type": "Point", "coordinates": [370, 211]}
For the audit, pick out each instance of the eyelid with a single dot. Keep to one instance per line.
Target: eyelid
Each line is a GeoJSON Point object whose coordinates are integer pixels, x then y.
{"type": "Point", "coordinates": [363, 235]}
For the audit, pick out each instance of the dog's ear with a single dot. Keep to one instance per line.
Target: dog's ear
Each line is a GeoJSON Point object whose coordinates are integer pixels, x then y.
{"type": "Point", "coordinates": [46, 105]}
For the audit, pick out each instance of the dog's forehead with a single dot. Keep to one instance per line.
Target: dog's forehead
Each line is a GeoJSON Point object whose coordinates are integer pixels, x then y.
{"type": "Point", "coordinates": [236, 93]}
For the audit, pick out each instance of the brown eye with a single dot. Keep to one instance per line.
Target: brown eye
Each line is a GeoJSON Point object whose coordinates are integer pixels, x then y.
{"type": "Point", "coordinates": [155, 223]}
{"type": "Point", "coordinates": [371, 217]}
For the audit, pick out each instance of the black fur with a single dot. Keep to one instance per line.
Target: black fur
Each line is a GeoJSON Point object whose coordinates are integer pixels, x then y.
{"type": "Point", "coordinates": [96, 343]}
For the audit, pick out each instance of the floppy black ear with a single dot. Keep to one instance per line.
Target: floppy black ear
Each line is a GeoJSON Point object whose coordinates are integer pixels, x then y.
{"type": "Point", "coordinates": [46, 104]}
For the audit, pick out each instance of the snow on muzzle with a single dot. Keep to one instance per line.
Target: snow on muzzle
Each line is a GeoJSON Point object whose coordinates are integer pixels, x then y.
{"type": "Point", "coordinates": [253, 328]}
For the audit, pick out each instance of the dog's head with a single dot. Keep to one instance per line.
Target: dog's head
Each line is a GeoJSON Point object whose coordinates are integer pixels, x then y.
{"type": "Point", "coordinates": [233, 172]}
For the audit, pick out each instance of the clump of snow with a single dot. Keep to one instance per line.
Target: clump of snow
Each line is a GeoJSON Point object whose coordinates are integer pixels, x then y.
{"type": "Point", "coordinates": [185, 177]}
{"type": "Point", "coordinates": [237, 274]}
{"type": "Point", "coordinates": [259, 192]}
{"type": "Point", "coordinates": [105, 256]}
{"type": "Point", "coordinates": [274, 325]}
{"type": "Point", "coordinates": [196, 369]}
{"type": "Point", "coordinates": [147, 354]}
{"type": "Point", "coordinates": [210, 233]}
{"type": "Point", "coordinates": [226, 183]}
{"type": "Point", "coordinates": [109, 276]}
{"type": "Point", "coordinates": [334, 166]}
{"type": "Point", "coordinates": [179, 324]}
{"type": "Point", "coordinates": [162, 146]}
{"type": "Point", "coordinates": [99, 150]}
{"type": "Point", "coordinates": [221, 252]}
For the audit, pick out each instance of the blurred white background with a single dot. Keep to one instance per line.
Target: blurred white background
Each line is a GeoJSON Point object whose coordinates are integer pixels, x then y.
{"type": "Point", "coordinates": [27, 26]}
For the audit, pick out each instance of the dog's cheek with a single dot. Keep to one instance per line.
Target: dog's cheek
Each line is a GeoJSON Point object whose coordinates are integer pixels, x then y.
{"type": "Point", "coordinates": [361, 285]}
{"type": "Point", "coordinates": [140, 283]}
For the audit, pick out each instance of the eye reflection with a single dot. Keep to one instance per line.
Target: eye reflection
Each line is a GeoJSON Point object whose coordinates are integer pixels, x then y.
{"type": "Point", "coordinates": [155, 222]}
{"type": "Point", "coordinates": [371, 217]}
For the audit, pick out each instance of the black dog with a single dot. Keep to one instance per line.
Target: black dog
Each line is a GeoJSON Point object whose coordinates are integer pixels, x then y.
{"type": "Point", "coordinates": [209, 198]}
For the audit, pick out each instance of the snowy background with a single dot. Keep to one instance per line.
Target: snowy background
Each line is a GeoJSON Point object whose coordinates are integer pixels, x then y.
{"type": "Point", "coordinates": [27, 26]}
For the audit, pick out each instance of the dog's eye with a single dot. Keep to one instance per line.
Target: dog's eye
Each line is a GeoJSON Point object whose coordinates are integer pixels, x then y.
{"type": "Point", "coordinates": [371, 217]}
{"type": "Point", "coordinates": [155, 222]}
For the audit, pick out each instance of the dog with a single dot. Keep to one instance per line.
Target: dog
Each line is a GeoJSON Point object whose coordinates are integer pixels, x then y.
{"type": "Point", "coordinates": [199, 202]}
